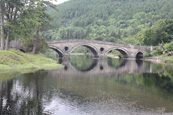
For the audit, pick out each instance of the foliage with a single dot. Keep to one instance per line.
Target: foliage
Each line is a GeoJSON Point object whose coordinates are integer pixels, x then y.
{"type": "Point", "coordinates": [52, 54]}
{"type": "Point", "coordinates": [82, 49]}
{"type": "Point", "coordinates": [157, 51]}
{"type": "Point", "coordinates": [162, 32]}
{"type": "Point", "coordinates": [168, 59]}
{"type": "Point", "coordinates": [149, 53]}
{"type": "Point", "coordinates": [132, 40]}
{"type": "Point", "coordinates": [29, 42]}
{"type": "Point", "coordinates": [14, 14]}
{"type": "Point", "coordinates": [23, 17]}
{"type": "Point", "coordinates": [112, 20]}
{"type": "Point", "coordinates": [114, 53]}
{"type": "Point", "coordinates": [169, 46]}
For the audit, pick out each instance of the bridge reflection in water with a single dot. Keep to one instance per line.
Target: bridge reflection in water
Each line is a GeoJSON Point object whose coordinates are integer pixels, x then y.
{"type": "Point", "coordinates": [104, 67]}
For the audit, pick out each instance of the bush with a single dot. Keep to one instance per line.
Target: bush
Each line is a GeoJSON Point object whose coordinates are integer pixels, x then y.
{"type": "Point", "coordinates": [158, 51]}
{"type": "Point", "coordinates": [149, 53]}
{"type": "Point", "coordinates": [169, 46]}
{"type": "Point", "coordinates": [29, 43]}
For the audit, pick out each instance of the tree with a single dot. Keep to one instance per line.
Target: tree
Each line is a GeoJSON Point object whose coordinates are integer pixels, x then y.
{"type": "Point", "coordinates": [150, 37]}
{"type": "Point", "coordinates": [2, 23]}
{"type": "Point", "coordinates": [127, 16]}
{"type": "Point", "coordinates": [162, 32]}
{"type": "Point", "coordinates": [20, 17]}
{"type": "Point", "coordinates": [11, 12]}
{"type": "Point", "coordinates": [13, 9]}
{"type": "Point", "coordinates": [40, 19]}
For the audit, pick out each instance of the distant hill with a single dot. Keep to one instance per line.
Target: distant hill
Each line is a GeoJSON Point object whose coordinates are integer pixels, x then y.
{"type": "Point", "coordinates": [107, 20]}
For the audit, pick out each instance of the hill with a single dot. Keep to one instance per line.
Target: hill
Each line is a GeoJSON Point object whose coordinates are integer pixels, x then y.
{"type": "Point", "coordinates": [107, 20]}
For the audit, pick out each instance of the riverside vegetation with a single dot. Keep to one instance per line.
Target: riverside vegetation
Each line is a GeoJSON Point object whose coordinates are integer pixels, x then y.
{"type": "Point", "coordinates": [14, 60]}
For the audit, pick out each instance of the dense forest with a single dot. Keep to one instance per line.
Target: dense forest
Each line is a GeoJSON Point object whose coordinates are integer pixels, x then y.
{"type": "Point", "coordinates": [146, 22]}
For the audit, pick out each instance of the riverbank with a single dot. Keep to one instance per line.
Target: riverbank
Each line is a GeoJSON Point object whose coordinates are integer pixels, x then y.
{"type": "Point", "coordinates": [157, 59]}
{"type": "Point", "coordinates": [14, 60]}
{"type": "Point", "coordinates": [161, 59]}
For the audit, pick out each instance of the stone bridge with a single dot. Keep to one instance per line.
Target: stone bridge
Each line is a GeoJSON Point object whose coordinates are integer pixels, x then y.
{"type": "Point", "coordinates": [99, 48]}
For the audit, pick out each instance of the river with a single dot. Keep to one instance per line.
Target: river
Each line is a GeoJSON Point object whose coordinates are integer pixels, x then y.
{"type": "Point", "coordinates": [87, 86]}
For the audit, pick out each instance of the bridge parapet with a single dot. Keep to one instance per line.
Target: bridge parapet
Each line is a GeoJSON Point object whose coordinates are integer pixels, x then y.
{"type": "Point", "coordinates": [98, 42]}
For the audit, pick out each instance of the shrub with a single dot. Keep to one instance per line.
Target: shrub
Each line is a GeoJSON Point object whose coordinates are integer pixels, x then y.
{"type": "Point", "coordinates": [157, 51]}
{"type": "Point", "coordinates": [169, 46]}
{"type": "Point", "coordinates": [29, 43]}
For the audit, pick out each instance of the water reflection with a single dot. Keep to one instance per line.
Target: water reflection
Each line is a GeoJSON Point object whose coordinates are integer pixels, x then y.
{"type": "Point", "coordinates": [116, 63]}
{"type": "Point", "coordinates": [139, 62]}
{"type": "Point", "coordinates": [101, 90]}
{"type": "Point", "coordinates": [83, 63]}
{"type": "Point", "coordinates": [79, 65]}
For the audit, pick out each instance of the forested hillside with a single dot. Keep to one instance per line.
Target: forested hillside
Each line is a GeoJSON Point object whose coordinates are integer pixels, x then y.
{"type": "Point", "coordinates": [122, 21]}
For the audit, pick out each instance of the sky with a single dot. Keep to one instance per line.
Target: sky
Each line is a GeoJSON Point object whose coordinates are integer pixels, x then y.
{"type": "Point", "coordinates": [60, 1]}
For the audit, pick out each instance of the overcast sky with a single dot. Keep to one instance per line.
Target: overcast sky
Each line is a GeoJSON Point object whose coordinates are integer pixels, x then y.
{"type": "Point", "coordinates": [60, 1]}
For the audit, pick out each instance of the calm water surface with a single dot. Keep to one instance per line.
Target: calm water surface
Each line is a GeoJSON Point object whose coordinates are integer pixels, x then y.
{"type": "Point", "coordinates": [87, 86]}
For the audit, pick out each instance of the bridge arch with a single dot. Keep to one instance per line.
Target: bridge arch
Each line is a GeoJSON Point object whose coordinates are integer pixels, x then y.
{"type": "Point", "coordinates": [139, 55]}
{"type": "Point", "coordinates": [121, 50]}
{"type": "Point", "coordinates": [90, 47]}
{"type": "Point", "coordinates": [57, 50]}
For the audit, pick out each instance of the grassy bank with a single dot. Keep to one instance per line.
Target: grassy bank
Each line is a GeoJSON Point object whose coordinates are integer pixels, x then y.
{"type": "Point", "coordinates": [161, 59]}
{"type": "Point", "coordinates": [17, 60]}
{"type": "Point", "coordinates": [168, 59]}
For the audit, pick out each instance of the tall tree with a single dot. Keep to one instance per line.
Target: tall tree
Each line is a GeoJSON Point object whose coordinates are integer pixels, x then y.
{"type": "Point", "coordinates": [41, 19]}
{"type": "Point", "coordinates": [2, 23]}
{"type": "Point", "coordinates": [13, 10]}
{"type": "Point", "coordinates": [23, 17]}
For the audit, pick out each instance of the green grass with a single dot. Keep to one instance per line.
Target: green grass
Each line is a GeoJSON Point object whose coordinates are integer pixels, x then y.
{"type": "Point", "coordinates": [16, 60]}
{"type": "Point", "coordinates": [168, 59]}
{"type": "Point", "coordinates": [163, 59]}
